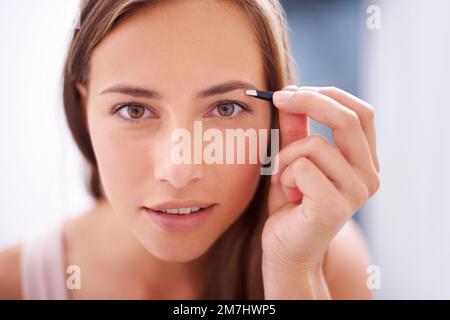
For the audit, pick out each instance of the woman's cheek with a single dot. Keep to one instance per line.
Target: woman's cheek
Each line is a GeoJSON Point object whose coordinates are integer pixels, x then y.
{"type": "Point", "coordinates": [239, 183]}
{"type": "Point", "coordinates": [122, 166]}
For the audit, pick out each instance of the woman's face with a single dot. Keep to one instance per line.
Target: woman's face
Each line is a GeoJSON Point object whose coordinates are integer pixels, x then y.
{"type": "Point", "coordinates": [145, 80]}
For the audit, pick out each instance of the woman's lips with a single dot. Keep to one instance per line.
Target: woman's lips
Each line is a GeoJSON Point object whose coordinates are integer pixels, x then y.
{"type": "Point", "coordinates": [179, 223]}
{"type": "Point", "coordinates": [177, 204]}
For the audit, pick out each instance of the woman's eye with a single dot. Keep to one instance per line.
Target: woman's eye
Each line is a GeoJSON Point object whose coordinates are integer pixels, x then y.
{"type": "Point", "coordinates": [228, 109]}
{"type": "Point", "coordinates": [133, 112]}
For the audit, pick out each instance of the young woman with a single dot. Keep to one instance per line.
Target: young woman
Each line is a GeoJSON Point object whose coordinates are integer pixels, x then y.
{"type": "Point", "coordinates": [136, 71]}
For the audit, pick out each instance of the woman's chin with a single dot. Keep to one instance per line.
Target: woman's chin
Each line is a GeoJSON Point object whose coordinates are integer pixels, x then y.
{"type": "Point", "coordinates": [177, 250]}
{"type": "Point", "coordinates": [177, 255]}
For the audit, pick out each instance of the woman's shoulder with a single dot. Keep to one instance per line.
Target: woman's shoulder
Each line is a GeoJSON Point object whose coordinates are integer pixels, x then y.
{"type": "Point", "coordinates": [63, 238]}
{"type": "Point", "coordinates": [346, 264]}
{"type": "Point", "coordinates": [10, 283]}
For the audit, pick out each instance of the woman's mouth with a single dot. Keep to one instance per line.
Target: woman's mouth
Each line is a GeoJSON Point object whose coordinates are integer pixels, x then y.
{"type": "Point", "coordinates": [182, 219]}
{"type": "Point", "coordinates": [180, 210]}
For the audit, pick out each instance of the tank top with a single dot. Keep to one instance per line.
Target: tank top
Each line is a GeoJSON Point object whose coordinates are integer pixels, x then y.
{"type": "Point", "coordinates": [42, 266]}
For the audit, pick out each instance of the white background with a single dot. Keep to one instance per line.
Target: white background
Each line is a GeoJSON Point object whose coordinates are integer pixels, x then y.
{"type": "Point", "coordinates": [41, 173]}
{"type": "Point", "coordinates": [405, 72]}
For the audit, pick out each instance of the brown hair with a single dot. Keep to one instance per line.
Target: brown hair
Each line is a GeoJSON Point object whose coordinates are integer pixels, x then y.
{"type": "Point", "coordinates": [235, 258]}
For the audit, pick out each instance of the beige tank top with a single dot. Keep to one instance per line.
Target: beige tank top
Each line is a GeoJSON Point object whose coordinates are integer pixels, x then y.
{"type": "Point", "coordinates": [42, 266]}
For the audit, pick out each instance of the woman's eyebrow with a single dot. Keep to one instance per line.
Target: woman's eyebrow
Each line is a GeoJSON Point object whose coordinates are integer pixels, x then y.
{"type": "Point", "coordinates": [225, 87]}
{"type": "Point", "coordinates": [208, 92]}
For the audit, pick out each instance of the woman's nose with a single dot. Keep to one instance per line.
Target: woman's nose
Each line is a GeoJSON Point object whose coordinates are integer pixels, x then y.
{"type": "Point", "coordinates": [177, 175]}
{"type": "Point", "coordinates": [169, 170]}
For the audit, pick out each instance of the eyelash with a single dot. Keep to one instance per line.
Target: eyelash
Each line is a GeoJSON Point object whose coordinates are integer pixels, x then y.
{"type": "Point", "coordinates": [116, 110]}
{"type": "Point", "coordinates": [243, 107]}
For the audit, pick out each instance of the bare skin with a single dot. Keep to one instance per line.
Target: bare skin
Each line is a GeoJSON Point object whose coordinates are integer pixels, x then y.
{"type": "Point", "coordinates": [84, 239]}
{"type": "Point", "coordinates": [122, 255]}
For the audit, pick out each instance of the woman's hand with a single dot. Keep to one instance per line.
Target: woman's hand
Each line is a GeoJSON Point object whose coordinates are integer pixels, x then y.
{"type": "Point", "coordinates": [318, 186]}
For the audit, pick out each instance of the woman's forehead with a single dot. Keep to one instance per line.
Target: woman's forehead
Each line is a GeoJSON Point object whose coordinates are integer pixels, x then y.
{"type": "Point", "coordinates": [179, 42]}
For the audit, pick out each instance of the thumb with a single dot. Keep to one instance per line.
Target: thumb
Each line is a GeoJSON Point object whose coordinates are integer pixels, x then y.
{"type": "Point", "coordinates": [293, 126]}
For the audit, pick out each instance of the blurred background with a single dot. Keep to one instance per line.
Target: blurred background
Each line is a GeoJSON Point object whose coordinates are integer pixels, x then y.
{"type": "Point", "coordinates": [393, 54]}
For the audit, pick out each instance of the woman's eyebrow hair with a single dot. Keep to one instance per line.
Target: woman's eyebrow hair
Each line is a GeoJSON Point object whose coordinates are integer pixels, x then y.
{"type": "Point", "coordinates": [211, 91]}
{"type": "Point", "coordinates": [225, 87]}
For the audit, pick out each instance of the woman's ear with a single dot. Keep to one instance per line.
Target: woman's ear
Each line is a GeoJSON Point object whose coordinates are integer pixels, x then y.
{"type": "Point", "coordinates": [82, 90]}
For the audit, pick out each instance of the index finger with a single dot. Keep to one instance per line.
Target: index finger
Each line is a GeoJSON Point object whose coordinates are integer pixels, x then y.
{"type": "Point", "coordinates": [344, 122]}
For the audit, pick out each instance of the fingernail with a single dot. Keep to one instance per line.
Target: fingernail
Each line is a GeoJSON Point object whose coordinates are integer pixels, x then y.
{"type": "Point", "coordinates": [282, 96]}
{"type": "Point", "coordinates": [310, 88]}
